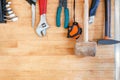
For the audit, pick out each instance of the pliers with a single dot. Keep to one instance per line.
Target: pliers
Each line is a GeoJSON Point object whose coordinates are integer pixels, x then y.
{"type": "Point", "coordinates": [62, 3]}
{"type": "Point", "coordinates": [33, 3]}
{"type": "Point", "coordinates": [93, 10]}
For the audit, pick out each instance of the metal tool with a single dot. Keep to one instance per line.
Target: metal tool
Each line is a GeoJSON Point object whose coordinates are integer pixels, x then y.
{"type": "Point", "coordinates": [42, 26]}
{"type": "Point", "coordinates": [107, 39]}
{"type": "Point", "coordinates": [33, 4]}
{"type": "Point", "coordinates": [6, 13]}
{"type": "Point", "coordinates": [85, 48]}
{"type": "Point", "coordinates": [2, 10]}
{"type": "Point", "coordinates": [117, 37]}
{"type": "Point", "coordinates": [10, 16]}
{"type": "Point", "coordinates": [93, 10]}
{"type": "Point", "coordinates": [62, 3]}
{"type": "Point", "coordinates": [12, 19]}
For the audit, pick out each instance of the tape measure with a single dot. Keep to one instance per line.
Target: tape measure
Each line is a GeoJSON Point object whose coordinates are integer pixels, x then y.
{"type": "Point", "coordinates": [75, 30]}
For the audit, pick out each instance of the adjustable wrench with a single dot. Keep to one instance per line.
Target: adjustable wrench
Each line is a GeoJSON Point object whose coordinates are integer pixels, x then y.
{"type": "Point", "coordinates": [42, 26]}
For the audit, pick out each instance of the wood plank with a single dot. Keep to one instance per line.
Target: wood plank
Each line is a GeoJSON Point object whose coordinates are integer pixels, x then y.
{"type": "Point", "coordinates": [25, 56]}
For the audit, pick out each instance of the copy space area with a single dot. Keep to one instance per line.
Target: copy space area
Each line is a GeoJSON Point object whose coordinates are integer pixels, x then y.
{"type": "Point", "coordinates": [26, 56]}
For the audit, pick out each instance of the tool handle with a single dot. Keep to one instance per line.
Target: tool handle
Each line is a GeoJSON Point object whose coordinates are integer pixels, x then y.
{"type": "Point", "coordinates": [42, 6]}
{"type": "Point", "coordinates": [107, 19]}
{"type": "Point", "coordinates": [94, 7]}
{"type": "Point", "coordinates": [86, 20]}
{"type": "Point", "coordinates": [2, 11]}
{"type": "Point", "coordinates": [58, 15]}
{"type": "Point", "coordinates": [31, 2]}
{"type": "Point", "coordinates": [34, 1]}
{"type": "Point", "coordinates": [1, 17]}
{"type": "Point", "coordinates": [66, 20]}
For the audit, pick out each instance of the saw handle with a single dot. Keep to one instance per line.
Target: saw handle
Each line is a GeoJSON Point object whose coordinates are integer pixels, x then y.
{"type": "Point", "coordinates": [42, 6]}
{"type": "Point", "coordinates": [107, 19]}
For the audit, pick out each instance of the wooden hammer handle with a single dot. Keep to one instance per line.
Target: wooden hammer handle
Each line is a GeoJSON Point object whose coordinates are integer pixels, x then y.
{"type": "Point", "coordinates": [86, 14]}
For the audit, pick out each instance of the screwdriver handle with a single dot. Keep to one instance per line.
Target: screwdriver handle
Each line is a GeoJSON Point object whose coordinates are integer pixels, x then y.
{"type": "Point", "coordinates": [42, 6]}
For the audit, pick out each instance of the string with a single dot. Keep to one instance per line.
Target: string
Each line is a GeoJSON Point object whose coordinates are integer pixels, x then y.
{"type": "Point", "coordinates": [74, 10]}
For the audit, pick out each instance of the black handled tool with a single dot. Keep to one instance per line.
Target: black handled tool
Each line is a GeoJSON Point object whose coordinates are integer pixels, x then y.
{"type": "Point", "coordinates": [2, 11]}
{"type": "Point", "coordinates": [107, 40]}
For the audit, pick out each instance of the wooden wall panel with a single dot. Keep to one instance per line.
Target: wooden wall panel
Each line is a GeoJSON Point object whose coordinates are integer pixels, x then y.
{"type": "Point", "coordinates": [25, 56]}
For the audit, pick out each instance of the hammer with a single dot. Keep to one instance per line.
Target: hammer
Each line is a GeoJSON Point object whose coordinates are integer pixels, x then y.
{"type": "Point", "coordinates": [107, 40]}
{"type": "Point", "coordinates": [86, 48]}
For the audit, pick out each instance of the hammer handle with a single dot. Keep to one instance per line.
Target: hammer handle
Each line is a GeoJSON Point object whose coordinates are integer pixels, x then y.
{"type": "Point", "coordinates": [107, 18]}
{"type": "Point", "coordinates": [86, 14]}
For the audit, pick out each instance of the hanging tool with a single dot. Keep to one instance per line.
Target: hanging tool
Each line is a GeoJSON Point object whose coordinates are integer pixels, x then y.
{"type": "Point", "coordinates": [62, 3]}
{"type": "Point", "coordinates": [85, 48]}
{"type": "Point", "coordinates": [42, 26]}
{"type": "Point", "coordinates": [107, 40]}
{"type": "Point", "coordinates": [74, 30]}
{"type": "Point", "coordinates": [93, 10]}
{"type": "Point", "coordinates": [6, 13]}
{"type": "Point", "coordinates": [33, 4]}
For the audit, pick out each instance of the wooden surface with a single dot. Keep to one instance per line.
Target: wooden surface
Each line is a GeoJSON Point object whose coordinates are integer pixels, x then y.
{"type": "Point", "coordinates": [25, 56]}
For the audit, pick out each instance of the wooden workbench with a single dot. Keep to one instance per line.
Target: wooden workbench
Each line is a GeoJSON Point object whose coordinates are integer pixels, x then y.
{"type": "Point", "coordinates": [25, 56]}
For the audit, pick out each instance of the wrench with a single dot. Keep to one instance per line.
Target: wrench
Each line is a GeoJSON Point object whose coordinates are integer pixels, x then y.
{"type": "Point", "coordinates": [43, 25]}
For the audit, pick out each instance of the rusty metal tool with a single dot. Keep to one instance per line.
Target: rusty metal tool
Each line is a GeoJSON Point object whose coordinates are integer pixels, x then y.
{"type": "Point", "coordinates": [85, 48]}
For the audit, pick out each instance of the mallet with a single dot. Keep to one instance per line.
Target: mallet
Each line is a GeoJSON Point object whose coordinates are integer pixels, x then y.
{"type": "Point", "coordinates": [107, 40]}
{"type": "Point", "coordinates": [85, 48]}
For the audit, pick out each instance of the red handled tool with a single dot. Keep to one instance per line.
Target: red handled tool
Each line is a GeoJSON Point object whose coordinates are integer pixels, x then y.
{"type": "Point", "coordinates": [42, 26]}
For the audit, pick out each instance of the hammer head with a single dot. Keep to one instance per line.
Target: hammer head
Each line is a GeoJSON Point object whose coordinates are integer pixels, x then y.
{"type": "Point", "coordinates": [85, 48]}
{"type": "Point", "coordinates": [108, 41]}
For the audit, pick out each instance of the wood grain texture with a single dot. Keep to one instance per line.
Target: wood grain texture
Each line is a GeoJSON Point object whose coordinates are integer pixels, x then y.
{"type": "Point", "coordinates": [25, 56]}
